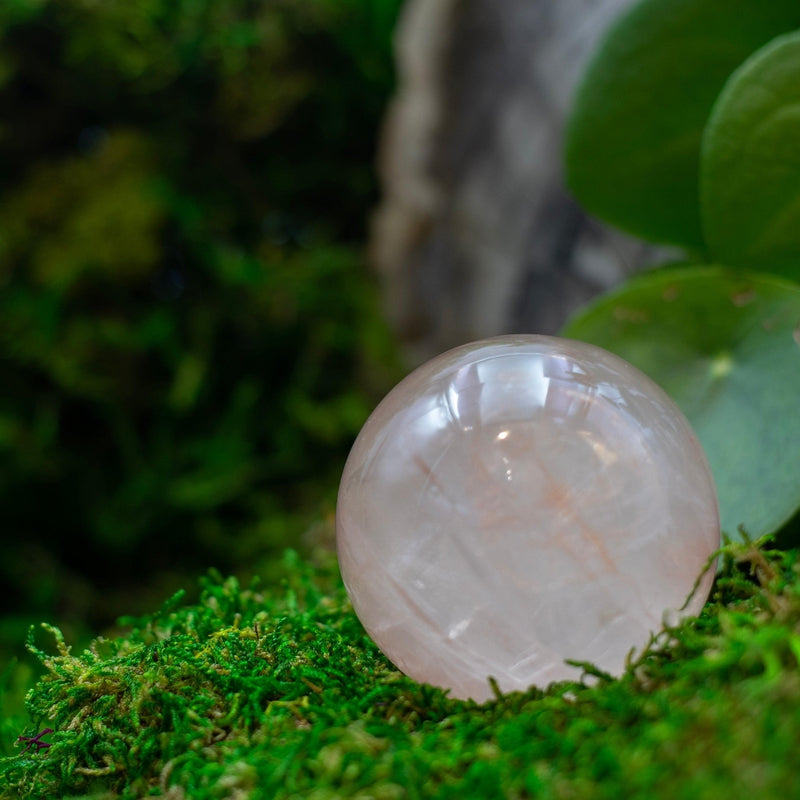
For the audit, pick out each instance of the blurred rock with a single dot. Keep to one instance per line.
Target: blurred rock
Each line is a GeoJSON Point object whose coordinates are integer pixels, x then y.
{"type": "Point", "coordinates": [476, 234]}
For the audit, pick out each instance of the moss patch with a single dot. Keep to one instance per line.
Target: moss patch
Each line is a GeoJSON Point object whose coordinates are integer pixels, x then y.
{"type": "Point", "coordinates": [260, 694]}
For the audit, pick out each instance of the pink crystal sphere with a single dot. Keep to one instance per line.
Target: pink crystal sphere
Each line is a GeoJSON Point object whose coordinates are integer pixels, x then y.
{"type": "Point", "coordinates": [517, 502]}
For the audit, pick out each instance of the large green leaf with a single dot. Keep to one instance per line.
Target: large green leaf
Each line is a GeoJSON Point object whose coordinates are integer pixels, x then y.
{"type": "Point", "coordinates": [633, 142]}
{"type": "Point", "coordinates": [726, 347]}
{"type": "Point", "coordinates": [750, 168]}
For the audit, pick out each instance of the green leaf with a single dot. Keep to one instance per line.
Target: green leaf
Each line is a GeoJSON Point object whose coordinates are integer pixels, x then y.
{"type": "Point", "coordinates": [633, 141]}
{"type": "Point", "coordinates": [726, 347]}
{"type": "Point", "coordinates": [750, 169]}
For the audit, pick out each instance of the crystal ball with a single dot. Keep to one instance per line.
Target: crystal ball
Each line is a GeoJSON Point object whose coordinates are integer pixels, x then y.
{"type": "Point", "coordinates": [519, 502]}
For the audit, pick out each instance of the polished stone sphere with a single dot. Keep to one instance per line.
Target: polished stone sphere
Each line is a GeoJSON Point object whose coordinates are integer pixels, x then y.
{"type": "Point", "coordinates": [521, 501]}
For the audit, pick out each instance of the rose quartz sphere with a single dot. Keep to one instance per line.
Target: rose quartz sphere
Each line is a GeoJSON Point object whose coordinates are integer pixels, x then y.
{"type": "Point", "coordinates": [517, 502]}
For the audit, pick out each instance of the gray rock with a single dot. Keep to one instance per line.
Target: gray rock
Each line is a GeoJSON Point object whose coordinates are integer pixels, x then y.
{"type": "Point", "coordinates": [476, 234]}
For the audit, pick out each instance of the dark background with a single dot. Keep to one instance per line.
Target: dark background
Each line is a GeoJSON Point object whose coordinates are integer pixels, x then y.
{"type": "Point", "coordinates": [189, 336]}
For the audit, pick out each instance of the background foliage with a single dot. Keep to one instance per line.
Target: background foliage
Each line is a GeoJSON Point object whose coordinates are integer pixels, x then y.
{"type": "Point", "coordinates": [188, 336]}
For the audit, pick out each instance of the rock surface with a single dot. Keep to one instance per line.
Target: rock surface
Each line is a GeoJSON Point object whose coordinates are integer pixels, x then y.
{"type": "Point", "coordinates": [520, 502]}
{"type": "Point", "coordinates": [476, 234]}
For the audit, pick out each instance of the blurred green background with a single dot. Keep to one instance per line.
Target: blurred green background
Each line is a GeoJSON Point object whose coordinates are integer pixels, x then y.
{"type": "Point", "coordinates": [189, 336]}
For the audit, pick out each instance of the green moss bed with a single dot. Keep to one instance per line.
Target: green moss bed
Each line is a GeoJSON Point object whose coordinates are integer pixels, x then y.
{"type": "Point", "coordinates": [277, 692]}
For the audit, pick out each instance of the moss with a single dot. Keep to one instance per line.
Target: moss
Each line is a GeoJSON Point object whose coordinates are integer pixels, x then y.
{"type": "Point", "coordinates": [253, 693]}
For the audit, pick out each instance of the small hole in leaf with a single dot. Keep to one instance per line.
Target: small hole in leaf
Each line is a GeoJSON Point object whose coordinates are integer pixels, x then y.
{"type": "Point", "coordinates": [743, 297]}
{"type": "Point", "coordinates": [671, 293]}
{"type": "Point", "coordinates": [629, 315]}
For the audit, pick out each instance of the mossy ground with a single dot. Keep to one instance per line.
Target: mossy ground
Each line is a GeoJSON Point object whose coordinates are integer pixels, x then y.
{"type": "Point", "coordinates": [255, 693]}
